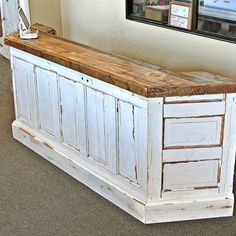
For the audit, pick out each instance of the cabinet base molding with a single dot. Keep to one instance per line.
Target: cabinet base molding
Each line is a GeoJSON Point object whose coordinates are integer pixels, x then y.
{"type": "Point", "coordinates": [189, 208]}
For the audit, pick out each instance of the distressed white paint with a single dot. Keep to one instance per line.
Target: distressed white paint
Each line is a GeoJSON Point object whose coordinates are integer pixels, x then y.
{"type": "Point", "coordinates": [47, 102]}
{"type": "Point", "coordinates": [186, 175]}
{"type": "Point", "coordinates": [194, 109]}
{"type": "Point", "coordinates": [182, 210]}
{"type": "Point", "coordinates": [101, 128]}
{"type": "Point", "coordinates": [132, 142]}
{"type": "Point", "coordinates": [193, 131]}
{"type": "Point", "coordinates": [192, 154]}
{"type": "Point", "coordinates": [229, 147]}
{"type": "Point", "coordinates": [155, 143]}
{"type": "Point", "coordinates": [24, 91]}
{"type": "Point", "coordinates": [121, 144]}
{"type": "Point", "coordinates": [197, 98]}
{"type": "Point", "coordinates": [72, 115]}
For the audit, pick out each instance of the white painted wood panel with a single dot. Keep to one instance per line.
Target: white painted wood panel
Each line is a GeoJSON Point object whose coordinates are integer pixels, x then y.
{"type": "Point", "coordinates": [101, 128]}
{"type": "Point", "coordinates": [72, 115]}
{"type": "Point", "coordinates": [229, 147]}
{"type": "Point", "coordinates": [193, 132]}
{"type": "Point", "coordinates": [202, 98]}
{"type": "Point", "coordinates": [68, 112]}
{"type": "Point", "coordinates": [155, 146]}
{"type": "Point", "coordinates": [132, 138]}
{"type": "Point", "coordinates": [110, 132]}
{"type": "Point", "coordinates": [190, 175]}
{"type": "Point", "coordinates": [24, 91]}
{"type": "Point", "coordinates": [81, 133]}
{"type": "Point", "coordinates": [194, 109]}
{"type": "Point", "coordinates": [48, 102]}
{"type": "Point", "coordinates": [192, 154]}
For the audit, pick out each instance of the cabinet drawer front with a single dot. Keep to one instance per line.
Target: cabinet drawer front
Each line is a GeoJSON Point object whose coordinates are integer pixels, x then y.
{"type": "Point", "coordinates": [194, 109]}
{"type": "Point", "coordinates": [202, 98]}
{"type": "Point", "coordinates": [193, 132]}
{"type": "Point", "coordinates": [201, 174]}
{"type": "Point", "coordinates": [192, 154]}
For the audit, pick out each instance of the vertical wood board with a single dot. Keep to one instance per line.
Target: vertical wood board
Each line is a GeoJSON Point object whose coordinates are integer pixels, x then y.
{"type": "Point", "coordinates": [48, 102]}
{"type": "Point", "coordinates": [132, 140]}
{"type": "Point", "coordinates": [25, 91]}
{"type": "Point", "coordinates": [68, 112]}
{"type": "Point", "coordinates": [101, 128]}
{"type": "Point", "coordinates": [229, 147]}
{"type": "Point", "coordinates": [155, 146]}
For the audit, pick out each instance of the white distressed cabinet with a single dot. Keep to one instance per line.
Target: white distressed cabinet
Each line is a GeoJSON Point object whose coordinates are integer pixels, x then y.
{"type": "Point", "coordinates": [160, 159]}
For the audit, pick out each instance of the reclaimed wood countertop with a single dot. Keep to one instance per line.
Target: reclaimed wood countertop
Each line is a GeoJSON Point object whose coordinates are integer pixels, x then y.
{"type": "Point", "coordinates": [137, 77]}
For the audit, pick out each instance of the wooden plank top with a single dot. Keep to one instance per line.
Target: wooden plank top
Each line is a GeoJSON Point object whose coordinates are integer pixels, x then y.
{"type": "Point", "coordinates": [143, 79]}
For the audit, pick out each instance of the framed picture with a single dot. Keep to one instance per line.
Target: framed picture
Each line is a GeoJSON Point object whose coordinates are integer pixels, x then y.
{"type": "Point", "coordinates": [180, 15]}
{"type": "Point", "coordinates": [229, 5]}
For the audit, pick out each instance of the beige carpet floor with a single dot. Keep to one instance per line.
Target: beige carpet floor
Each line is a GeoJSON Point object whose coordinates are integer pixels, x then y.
{"type": "Point", "coordinates": [36, 198]}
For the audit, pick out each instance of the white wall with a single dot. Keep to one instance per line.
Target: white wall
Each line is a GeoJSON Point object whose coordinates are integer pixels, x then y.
{"type": "Point", "coordinates": [47, 12]}
{"type": "Point", "coordinates": [102, 24]}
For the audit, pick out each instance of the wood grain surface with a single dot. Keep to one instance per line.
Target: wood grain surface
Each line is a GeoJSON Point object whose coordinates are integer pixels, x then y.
{"type": "Point", "coordinates": [140, 78]}
{"type": "Point", "coordinates": [43, 28]}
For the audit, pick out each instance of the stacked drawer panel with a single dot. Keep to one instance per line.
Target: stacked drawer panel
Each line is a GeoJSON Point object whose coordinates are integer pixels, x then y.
{"type": "Point", "coordinates": [192, 145]}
